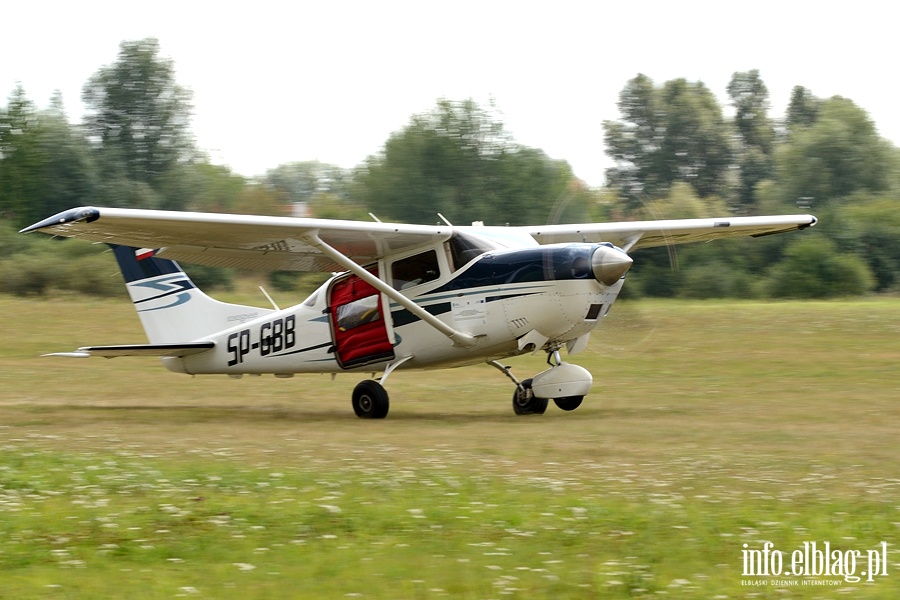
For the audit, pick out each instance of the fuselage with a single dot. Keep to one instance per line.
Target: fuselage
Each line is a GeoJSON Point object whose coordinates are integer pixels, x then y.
{"type": "Point", "coordinates": [510, 301]}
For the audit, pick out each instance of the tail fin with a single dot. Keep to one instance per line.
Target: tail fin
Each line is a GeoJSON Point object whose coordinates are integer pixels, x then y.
{"type": "Point", "coordinates": [171, 308]}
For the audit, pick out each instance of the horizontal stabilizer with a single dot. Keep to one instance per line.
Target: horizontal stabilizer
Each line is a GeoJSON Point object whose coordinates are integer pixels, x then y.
{"type": "Point", "coordinates": [172, 350]}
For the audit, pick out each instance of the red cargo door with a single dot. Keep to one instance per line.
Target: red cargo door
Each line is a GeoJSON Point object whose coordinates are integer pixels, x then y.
{"type": "Point", "coordinates": [358, 323]}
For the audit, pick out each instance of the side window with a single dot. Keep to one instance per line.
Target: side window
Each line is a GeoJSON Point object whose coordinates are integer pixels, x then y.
{"type": "Point", "coordinates": [414, 270]}
{"type": "Point", "coordinates": [359, 312]}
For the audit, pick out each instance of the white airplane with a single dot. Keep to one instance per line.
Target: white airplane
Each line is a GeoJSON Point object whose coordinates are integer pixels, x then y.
{"type": "Point", "coordinates": [407, 296]}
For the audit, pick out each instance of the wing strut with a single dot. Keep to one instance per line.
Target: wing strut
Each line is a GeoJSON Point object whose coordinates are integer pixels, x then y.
{"type": "Point", "coordinates": [459, 338]}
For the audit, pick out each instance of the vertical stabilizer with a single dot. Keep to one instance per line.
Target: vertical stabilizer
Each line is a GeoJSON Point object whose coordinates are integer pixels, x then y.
{"type": "Point", "coordinates": [171, 308]}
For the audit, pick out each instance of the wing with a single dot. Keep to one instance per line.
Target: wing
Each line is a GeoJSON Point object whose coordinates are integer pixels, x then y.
{"type": "Point", "coordinates": [240, 241]}
{"type": "Point", "coordinates": [646, 234]}
{"type": "Point", "coordinates": [284, 243]}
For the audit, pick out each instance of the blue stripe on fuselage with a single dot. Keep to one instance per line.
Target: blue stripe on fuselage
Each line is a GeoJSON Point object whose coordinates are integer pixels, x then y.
{"type": "Point", "coordinates": [401, 316]}
{"type": "Point", "coordinates": [500, 275]}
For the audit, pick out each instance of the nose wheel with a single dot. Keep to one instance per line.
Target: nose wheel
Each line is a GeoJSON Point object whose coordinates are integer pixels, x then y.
{"type": "Point", "coordinates": [565, 383]}
{"type": "Point", "coordinates": [570, 403]}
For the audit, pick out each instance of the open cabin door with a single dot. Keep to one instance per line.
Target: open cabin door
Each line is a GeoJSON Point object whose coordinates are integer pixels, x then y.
{"type": "Point", "coordinates": [358, 324]}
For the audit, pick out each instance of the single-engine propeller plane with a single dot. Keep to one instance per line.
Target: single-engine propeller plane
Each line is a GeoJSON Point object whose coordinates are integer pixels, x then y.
{"type": "Point", "coordinates": [404, 296]}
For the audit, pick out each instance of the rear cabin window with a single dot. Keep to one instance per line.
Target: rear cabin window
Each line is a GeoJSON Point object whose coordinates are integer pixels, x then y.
{"type": "Point", "coordinates": [358, 313]}
{"type": "Point", "coordinates": [415, 270]}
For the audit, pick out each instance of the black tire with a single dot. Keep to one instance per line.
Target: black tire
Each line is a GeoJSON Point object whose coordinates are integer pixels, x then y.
{"type": "Point", "coordinates": [525, 403]}
{"type": "Point", "coordinates": [370, 400]}
{"type": "Point", "coordinates": [569, 402]}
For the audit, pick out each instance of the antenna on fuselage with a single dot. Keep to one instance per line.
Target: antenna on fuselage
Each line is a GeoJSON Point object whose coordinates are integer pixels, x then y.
{"type": "Point", "coordinates": [444, 219]}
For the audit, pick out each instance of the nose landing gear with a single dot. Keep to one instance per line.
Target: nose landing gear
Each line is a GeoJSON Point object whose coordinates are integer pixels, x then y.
{"type": "Point", "coordinates": [566, 384]}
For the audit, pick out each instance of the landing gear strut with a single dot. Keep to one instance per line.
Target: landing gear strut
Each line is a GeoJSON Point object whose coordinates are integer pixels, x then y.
{"type": "Point", "coordinates": [524, 401]}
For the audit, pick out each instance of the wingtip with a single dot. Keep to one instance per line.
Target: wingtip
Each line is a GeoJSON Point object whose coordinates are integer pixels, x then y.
{"type": "Point", "coordinates": [812, 222]}
{"type": "Point", "coordinates": [68, 354]}
{"type": "Point", "coordinates": [86, 214]}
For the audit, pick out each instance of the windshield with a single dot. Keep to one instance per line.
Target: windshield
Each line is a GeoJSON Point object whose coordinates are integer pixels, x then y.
{"type": "Point", "coordinates": [463, 248]}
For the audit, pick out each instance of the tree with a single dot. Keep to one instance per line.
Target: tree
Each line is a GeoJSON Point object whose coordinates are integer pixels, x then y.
{"type": "Point", "coordinates": [668, 134]}
{"type": "Point", "coordinates": [319, 187]}
{"type": "Point", "coordinates": [871, 228]}
{"type": "Point", "coordinates": [45, 163]}
{"type": "Point", "coordinates": [836, 156]}
{"type": "Point", "coordinates": [814, 267]}
{"type": "Point", "coordinates": [137, 114]}
{"type": "Point", "coordinates": [206, 187]}
{"type": "Point", "coordinates": [301, 181]}
{"type": "Point", "coordinates": [750, 99]}
{"type": "Point", "coordinates": [697, 145]}
{"type": "Point", "coordinates": [634, 143]}
{"type": "Point", "coordinates": [683, 202]}
{"type": "Point", "coordinates": [803, 108]}
{"type": "Point", "coordinates": [20, 157]}
{"type": "Point", "coordinates": [664, 271]}
{"type": "Point", "coordinates": [755, 133]}
{"type": "Point", "coordinates": [458, 161]}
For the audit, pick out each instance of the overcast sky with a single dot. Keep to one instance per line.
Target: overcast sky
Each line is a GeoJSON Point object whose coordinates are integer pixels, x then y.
{"type": "Point", "coordinates": [278, 82]}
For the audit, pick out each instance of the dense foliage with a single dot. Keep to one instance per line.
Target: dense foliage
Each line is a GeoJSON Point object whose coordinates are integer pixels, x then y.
{"type": "Point", "coordinates": [675, 155]}
{"type": "Point", "coordinates": [458, 161]}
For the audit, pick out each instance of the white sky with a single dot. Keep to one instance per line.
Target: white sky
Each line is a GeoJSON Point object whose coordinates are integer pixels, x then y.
{"type": "Point", "coordinates": [277, 82]}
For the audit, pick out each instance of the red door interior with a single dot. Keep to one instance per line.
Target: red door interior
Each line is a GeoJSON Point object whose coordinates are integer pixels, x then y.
{"type": "Point", "coordinates": [357, 320]}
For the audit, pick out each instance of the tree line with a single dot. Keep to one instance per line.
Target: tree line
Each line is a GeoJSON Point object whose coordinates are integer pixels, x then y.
{"type": "Point", "coordinates": [675, 154]}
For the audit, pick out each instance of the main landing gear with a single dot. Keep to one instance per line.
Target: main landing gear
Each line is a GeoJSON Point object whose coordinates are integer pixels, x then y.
{"type": "Point", "coordinates": [565, 383]}
{"type": "Point", "coordinates": [370, 399]}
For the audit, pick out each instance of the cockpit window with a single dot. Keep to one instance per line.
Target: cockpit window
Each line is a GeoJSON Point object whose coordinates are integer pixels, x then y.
{"type": "Point", "coordinates": [415, 270]}
{"type": "Point", "coordinates": [464, 248]}
{"type": "Point", "coordinates": [545, 263]}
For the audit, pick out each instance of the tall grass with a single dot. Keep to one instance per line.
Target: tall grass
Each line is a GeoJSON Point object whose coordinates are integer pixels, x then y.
{"type": "Point", "coordinates": [711, 425]}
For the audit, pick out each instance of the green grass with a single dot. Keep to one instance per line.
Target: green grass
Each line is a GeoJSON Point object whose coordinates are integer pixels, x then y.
{"type": "Point", "coordinates": [710, 425]}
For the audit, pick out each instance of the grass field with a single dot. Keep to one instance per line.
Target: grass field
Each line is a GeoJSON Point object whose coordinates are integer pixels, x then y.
{"type": "Point", "coordinates": [710, 426]}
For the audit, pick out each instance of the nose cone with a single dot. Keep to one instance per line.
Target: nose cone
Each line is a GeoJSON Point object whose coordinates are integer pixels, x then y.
{"type": "Point", "coordinates": [609, 264]}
